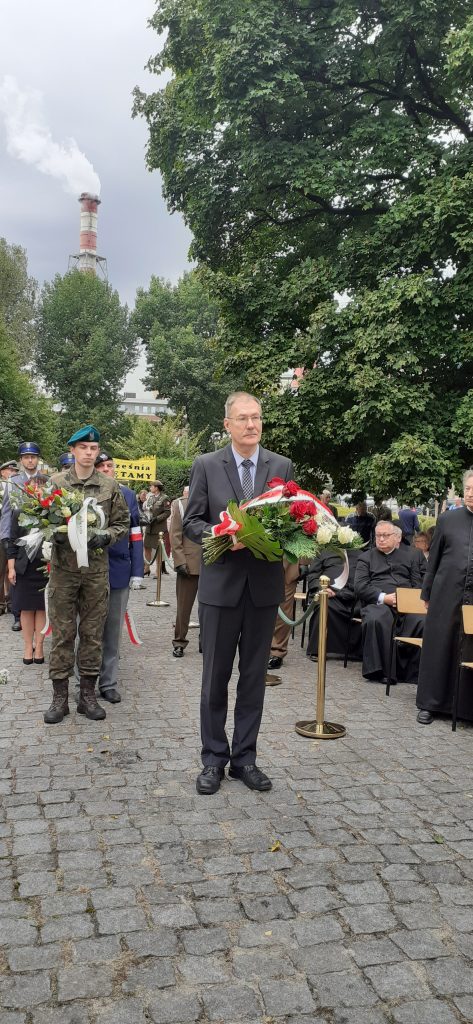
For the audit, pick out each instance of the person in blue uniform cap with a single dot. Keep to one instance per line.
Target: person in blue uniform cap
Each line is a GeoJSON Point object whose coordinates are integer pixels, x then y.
{"type": "Point", "coordinates": [88, 433]}
{"type": "Point", "coordinates": [66, 459]}
{"type": "Point", "coordinates": [28, 453]}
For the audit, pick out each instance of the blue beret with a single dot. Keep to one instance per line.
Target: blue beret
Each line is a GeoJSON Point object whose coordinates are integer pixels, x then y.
{"type": "Point", "coordinates": [66, 459]}
{"type": "Point", "coordinates": [88, 433]}
{"type": "Point", "coordinates": [28, 448]}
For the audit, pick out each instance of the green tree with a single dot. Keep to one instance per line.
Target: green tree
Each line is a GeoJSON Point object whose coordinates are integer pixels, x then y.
{"type": "Point", "coordinates": [323, 148]}
{"type": "Point", "coordinates": [17, 300]}
{"type": "Point", "coordinates": [25, 414]}
{"type": "Point", "coordinates": [178, 325]}
{"type": "Point", "coordinates": [168, 439]}
{"type": "Point", "coordinates": [85, 349]}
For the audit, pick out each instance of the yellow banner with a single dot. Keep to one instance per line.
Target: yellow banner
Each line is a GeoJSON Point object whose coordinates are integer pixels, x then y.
{"type": "Point", "coordinates": [136, 469]}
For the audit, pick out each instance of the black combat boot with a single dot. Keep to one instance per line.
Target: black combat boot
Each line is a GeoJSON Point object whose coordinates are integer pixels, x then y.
{"type": "Point", "coordinates": [60, 703]}
{"type": "Point", "coordinates": [88, 704]}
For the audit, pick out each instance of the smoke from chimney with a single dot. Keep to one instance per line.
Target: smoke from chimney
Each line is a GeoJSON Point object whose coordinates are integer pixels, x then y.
{"type": "Point", "coordinates": [29, 139]}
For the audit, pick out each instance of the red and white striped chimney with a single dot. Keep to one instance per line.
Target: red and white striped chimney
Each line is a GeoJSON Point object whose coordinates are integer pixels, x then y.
{"type": "Point", "coordinates": [88, 232]}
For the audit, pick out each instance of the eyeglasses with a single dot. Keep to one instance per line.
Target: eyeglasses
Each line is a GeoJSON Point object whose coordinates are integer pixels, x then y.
{"type": "Point", "coordinates": [384, 536]}
{"type": "Point", "coordinates": [246, 419]}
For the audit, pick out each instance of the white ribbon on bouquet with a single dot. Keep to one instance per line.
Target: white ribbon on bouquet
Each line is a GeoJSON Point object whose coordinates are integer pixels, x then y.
{"type": "Point", "coordinates": [77, 530]}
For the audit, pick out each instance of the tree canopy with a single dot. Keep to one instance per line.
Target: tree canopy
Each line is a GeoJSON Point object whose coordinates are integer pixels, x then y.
{"type": "Point", "coordinates": [85, 349]}
{"type": "Point", "coordinates": [320, 150]}
{"type": "Point", "coordinates": [17, 300]}
{"type": "Point", "coordinates": [25, 415]}
{"type": "Point", "coordinates": [178, 325]}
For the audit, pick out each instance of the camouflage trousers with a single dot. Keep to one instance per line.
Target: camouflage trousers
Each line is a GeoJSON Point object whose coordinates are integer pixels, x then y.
{"type": "Point", "coordinates": [78, 603]}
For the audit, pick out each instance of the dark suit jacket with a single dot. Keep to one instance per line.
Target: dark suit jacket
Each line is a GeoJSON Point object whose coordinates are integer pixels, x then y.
{"type": "Point", "coordinates": [378, 573]}
{"type": "Point", "coordinates": [214, 481]}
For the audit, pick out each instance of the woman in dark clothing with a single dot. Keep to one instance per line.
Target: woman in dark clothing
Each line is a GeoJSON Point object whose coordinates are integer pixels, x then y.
{"type": "Point", "coordinates": [448, 583]}
{"type": "Point", "coordinates": [30, 585]}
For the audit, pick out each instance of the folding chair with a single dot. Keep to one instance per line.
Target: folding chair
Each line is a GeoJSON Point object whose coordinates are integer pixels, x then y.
{"type": "Point", "coordinates": [408, 602]}
{"type": "Point", "coordinates": [467, 618]}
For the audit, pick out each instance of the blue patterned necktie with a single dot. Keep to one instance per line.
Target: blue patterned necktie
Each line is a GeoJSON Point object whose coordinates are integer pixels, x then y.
{"type": "Point", "coordinates": [246, 481]}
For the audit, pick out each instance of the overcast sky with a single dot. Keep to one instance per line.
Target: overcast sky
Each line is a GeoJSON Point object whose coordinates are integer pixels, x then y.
{"type": "Point", "coordinates": [84, 60]}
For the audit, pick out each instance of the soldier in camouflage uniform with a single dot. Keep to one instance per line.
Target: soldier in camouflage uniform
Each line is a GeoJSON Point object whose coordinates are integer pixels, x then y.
{"type": "Point", "coordinates": [78, 598]}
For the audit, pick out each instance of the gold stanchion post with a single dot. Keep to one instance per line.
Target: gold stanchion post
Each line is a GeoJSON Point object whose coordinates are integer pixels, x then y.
{"type": "Point", "coordinates": [320, 729]}
{"type": "Point", "coordinates": [159, 565]}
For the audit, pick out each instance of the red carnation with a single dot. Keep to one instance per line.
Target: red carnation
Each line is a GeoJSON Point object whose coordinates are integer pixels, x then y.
{"type": "Point", "coordinates": [299, 509]}
{"type": "Point", "coordinates": [290, 489]}
{"type": "Point", "coordinates": [309, 527]}
{"type": "Point", "coordinates": [277, 481]}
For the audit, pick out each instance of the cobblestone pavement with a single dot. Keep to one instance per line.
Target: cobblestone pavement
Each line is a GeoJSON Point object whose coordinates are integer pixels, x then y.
{"type": "Point", "coordinates": [125, 897]}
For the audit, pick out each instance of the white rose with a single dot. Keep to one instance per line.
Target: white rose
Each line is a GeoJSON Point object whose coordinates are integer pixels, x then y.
{"type": "Point", "coordinates": [324, 535]}
{"type": "Point", "coordinates": [47, 550]}
{"type": "Point", "coordinates": [345, 535]}
{"type": "Point", "coordinates": [67, 512]}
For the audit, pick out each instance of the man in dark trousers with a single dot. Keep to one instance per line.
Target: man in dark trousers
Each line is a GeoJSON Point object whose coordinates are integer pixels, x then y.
{"type": "Point", "coordinates": [29, 454]}
{"type": "Point", "coordinates": [238, 597]}
{"type": "Point", "coordinates": [187, 557]}
{"type": "Point", "coordinates": [378, 572]}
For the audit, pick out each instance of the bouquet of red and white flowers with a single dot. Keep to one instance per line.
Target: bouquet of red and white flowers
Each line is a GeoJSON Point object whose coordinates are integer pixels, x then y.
{"type": "Point", "coordinates": [285, 521]}
{"type": "Point", "coordinates": [47, 510]}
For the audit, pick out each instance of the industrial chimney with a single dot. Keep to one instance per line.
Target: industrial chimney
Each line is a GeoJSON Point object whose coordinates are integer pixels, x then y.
{"type": "Point", "coordinates": [87, 259]}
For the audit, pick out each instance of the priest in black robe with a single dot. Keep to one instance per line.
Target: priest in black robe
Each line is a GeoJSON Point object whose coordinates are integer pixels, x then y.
{"type": "Point", "coordinates": [378, 572]}
{"type": "Point", "coordinates": [341, 606]}
{"type": "Point", "coordinates": [448, 584]}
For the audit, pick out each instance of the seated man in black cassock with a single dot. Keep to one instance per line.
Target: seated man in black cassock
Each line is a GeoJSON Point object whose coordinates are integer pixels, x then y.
{"type": "Point", "coordinates": [378, 572]}
{"type": "Point", "coordinates": [340, 606]}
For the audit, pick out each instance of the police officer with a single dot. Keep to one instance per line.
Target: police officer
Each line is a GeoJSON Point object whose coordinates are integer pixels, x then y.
{"type": "Point", "coordinates": [125, 566]}
{"type": "Point", "coordinates": [78, 598]}
{"type": "Point", "coordinates": [29, 453]}
{"type": "Point", "coordinates": [66, 460]}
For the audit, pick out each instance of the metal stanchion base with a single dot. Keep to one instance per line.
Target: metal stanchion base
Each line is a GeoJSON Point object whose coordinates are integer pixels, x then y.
{"type": "Point", "coordinates": [157, 604]}
{"type": "Point", "coordinates": [273, 680]}
{"type": "Point", "coordinates": [320, 730]}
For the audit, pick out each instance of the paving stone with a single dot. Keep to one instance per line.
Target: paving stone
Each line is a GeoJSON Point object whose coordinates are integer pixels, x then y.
{"type": "Point", "coordinates": [231, 1002]}
{"type": "Point", "coordinates": [37, 883]}
{"type": "Point", "coordinates": [198, 971]}
{"type": "Point", "coordinates": [362, 1016]}
{"type": "Point", "coordinates": [76, 926]}
{"type": "Point", "coordinates": [267, 908]}
{"type": "Point", "coordinates": [394, 981]}
{"type": "Point", "coordinates": [13, 1017]}
{"type": "Point", "coordinates": [366, 952]}
{"type": "Point", "coordinates": [77, 1014]}
{"type": "Point", "coordinates": [84, 983]}
{"type": "Point", "coordinates": [286, 997]}
{"type": "Point", "coordinates": [267, 963]}
{"type": "Point", "coordinates": [24, 992]}
{"type": "Point", "coordinates": [127, 919]}
{"type": "Point", "coordinates": [17, 932]}
{"type": "Point", "coordinates": [363, 893]}
{"type": "Point", "coordinates": [95, 951]}
{"type": "Point", "coordinates": [421, 945]}
{"type": "Point", "coordinates": [215, 912]}
{"type": "Point", "coordinates": [345, 989]}
{"type": "Point", "coordinates": [373, 918]}
{"type": "Point", "coordinates": [34, 958]}
{"type": "Point", "coordinates": [173, 1008]}
{"type": "Point", "coordinates": [431, 1010]}
{"type": "Point", "coordinates": [123, 1011]}
{"type": "Point", "coordinates": [159, 942]}
{"type": "Point", "coordinates": [156, 973]}
{"type": "Point", "coordinates": [325, 958]}
{"type": "Point", "coordinates": [451, 975]}
{"type": "Point", "coordinates": [63, 903]}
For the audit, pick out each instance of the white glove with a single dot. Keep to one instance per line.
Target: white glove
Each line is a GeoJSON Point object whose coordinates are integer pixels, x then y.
{"type": "Point", "coordinates": [136, 582]}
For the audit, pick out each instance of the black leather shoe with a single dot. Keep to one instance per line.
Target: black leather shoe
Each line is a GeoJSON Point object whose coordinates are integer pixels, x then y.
{"type": "Point", "coordinates": [425, 718]}
{"type": "Point", "coordinates": [16, 626]}
{"type": "Point", "coordinates": [209, 780]}
{"type": "Point", "coordinates": [112, 696]}
{"type": "Point", "coordinates": [275, 663]}
{"type": "Point", "coordinates": [252, 776]}
{"type": "Point", "coordinates": [178, 652]}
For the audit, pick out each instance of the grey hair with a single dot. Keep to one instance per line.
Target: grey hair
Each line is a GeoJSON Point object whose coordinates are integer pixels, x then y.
{"type": "Point", "coordinates": [397, 530]}
{"type": "Point", "coordinates": [234, 396]}
{"type": "Point", "coordinates": [467, 473]}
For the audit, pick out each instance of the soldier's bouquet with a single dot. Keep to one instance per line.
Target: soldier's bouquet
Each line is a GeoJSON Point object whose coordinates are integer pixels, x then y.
{"type": "Point", "coordinates": [46, 511]}
{"type": "Point", "coordinates": [285, 521]}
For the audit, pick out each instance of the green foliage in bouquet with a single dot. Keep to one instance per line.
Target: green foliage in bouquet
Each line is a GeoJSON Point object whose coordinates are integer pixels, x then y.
{"type": "Point", "coordinates": [254, 536]}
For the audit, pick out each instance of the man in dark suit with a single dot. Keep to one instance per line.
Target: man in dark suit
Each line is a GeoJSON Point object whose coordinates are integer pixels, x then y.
{"type": "Point", "coordinates": [238, 597]}
{"type": "Point", "coordinates": [340, 605]}
{"type": "Point", "coordinates": [378, 572]}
